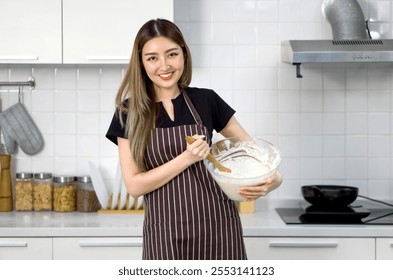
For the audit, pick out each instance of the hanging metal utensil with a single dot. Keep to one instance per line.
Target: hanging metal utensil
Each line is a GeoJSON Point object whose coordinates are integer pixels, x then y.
{"type": "Point", "coordinates": [20, 94]}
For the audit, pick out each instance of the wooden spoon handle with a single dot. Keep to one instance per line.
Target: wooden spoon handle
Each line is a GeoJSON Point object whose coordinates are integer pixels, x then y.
{"type": "Point", "coordinates": [215, 162]}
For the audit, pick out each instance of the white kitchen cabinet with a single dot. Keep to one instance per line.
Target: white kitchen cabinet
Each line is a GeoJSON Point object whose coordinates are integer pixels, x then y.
{"type": "Point", "coordinates": [384, 248]}
{"type": "Point", "coordinates": [30, 31]}
{"type": "Point", "coordinates": [310, 248]}
{"type": "Point", "coordinates": [25, 248]}
{"type": "Point", "coordinates": [73, 31]}
{"type": "Point", "coordinates": [103, 31]}
{"type": "Point", "coordinates": [106, 248]}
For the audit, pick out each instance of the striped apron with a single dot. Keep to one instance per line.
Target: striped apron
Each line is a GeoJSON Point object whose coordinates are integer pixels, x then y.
{"type": "Point", "coordinates": [189, 217]}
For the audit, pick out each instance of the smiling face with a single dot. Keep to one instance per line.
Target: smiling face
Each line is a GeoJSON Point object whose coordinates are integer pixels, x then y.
{"type": "Point", "coordinates": [163, 61]}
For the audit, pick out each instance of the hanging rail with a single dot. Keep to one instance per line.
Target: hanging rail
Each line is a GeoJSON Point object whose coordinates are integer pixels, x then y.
{"type": "Point", "coordinates": [30, 82]}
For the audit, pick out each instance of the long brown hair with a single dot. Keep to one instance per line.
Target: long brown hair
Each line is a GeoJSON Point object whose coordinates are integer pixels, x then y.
{"type": "Point", "coordinates": [142, 110]}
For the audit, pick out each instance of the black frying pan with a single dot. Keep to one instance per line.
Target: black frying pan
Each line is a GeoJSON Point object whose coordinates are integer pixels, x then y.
{"type": "Point", "coordinates": [329, 195]}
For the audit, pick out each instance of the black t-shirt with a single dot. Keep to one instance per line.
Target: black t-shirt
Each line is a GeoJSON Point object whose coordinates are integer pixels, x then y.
{"type": "Point", "coordinates": [213, 110]}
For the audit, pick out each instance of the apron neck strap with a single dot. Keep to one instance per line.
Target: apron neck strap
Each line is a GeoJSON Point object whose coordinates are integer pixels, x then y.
{"type": "Point", "coordinates": [193, 111]}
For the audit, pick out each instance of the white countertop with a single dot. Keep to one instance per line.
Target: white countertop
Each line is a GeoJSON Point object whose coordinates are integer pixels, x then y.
{"type": "Point", "coordinates": [264, 222]}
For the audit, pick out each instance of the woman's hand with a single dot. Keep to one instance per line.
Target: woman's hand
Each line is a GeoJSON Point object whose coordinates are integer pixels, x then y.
{"type": "Point", "coordinates": [198, 150]}
{"type": "Point", "coordinates": [251, 193]}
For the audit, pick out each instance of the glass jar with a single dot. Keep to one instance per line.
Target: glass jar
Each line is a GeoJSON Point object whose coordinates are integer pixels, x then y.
{"type": "Point", "coordinates": [23, 191]}
{"type": "Point", "coordinates": [42, 192]}
{"type": "Point", "coordinates": [64, 193]}
{"type": "Point", "coordinates": [86, 197]}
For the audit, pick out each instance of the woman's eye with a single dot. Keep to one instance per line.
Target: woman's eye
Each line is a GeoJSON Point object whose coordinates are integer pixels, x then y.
{"type": "Point", "coordinates": [173, 54]}
{"type": "Point", "coordinates": [151, 58]}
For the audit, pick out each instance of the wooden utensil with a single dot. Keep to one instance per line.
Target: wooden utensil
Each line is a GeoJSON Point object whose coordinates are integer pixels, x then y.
{"type": "Point", "coordinates": [215, 162]}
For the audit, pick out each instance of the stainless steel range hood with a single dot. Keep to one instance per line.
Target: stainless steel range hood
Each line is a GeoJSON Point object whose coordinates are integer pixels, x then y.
{"type": "Point", "coordinates": [309, 51]}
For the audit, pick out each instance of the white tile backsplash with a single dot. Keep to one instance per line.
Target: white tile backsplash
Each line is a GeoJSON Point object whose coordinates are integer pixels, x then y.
{"type": "Point", "coordinates": [312, 124]}
{"type": "Point", "coordinates": [65, 101]}
{"type": "Point", "coordinates": [379, 145]}
{"type": "Point", "coordinates": [266, 124]}
{"type": "Point", "coordinates": [334, 146]}
{"type": "Point", "coordinates": [333, 168]}
{"type": "Point", "coordinates": [244, 56]}
{"type": "Point", "coordinates": [222, 33]}
{"type": "Point", "coordinates": [87, 78]}
{"type": "Point", "coordinates": [245, 33]}
{"type": "Point", "coordinates": [245, 10]}
{"type": "Point", "coordinates": [65, 77]}
{"type": "Point", "coordinates": [379, 101]}
{"type": "Point", "coordinates": [88, 101]}
{"type": "Point", "coordinates": [334, 123]}
{"type": "Point", "coordinates": [333, 126]}
{"type": "Point", "coordinates": [290, 10]}
{"type": "Point", "coordinates": [267, 11]}
{"type": "Point", "coordinates": [244, 78]}
{"type": "Point", "coordinates": [356, 146]}
{"type": "Point", "coordinates": [65, 123]}
{"type": "Point", "coordinates": [88, 123]}
{"type": "Point", "coordinates": [221, 10]}
{"type": "Point", "coordinates": [356, 123]}
{"type": "Point", "coordinates": [268, 33]}
{"type": "Point", "coordinates": [267, 78]}
{"type": "Point", "coordinates": [110, 77]}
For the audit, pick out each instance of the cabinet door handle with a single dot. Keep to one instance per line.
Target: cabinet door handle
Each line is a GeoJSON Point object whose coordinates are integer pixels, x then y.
{"type": "Point", "coordinates": [303, 244]}
{"type": "Point", "coordinates": [13, 244]}
{"type": "Point", "coordinates": [110, 244]}
{"type": "Point", "coordinates": [19, 57]}
{"type": "Point", "coordinates": [106, 58]}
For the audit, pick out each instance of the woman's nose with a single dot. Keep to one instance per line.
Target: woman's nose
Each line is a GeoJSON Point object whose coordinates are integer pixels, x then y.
{"type": "Point", "coordinates": [164, 64]}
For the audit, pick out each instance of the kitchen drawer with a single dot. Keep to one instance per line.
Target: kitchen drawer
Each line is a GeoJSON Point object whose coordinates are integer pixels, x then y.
{"type": "Point", "coordinates": [310, 248]}
{"type": "Point", "coordinates": [25, 248]}
{"type": "Point", "coordinates": [384, 248]}
{"type": "Point", "coordinates": [106, 248]}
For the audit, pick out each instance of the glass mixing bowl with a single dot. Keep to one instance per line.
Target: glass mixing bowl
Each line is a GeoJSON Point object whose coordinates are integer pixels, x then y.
{"type": "Point", "coordinates": [251, 163]}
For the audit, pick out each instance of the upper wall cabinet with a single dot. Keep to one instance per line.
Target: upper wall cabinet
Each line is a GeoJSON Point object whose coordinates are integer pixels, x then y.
{"type": "Point", "coordinates": [74, 31]}
{"type": "Point", "coordinates": [103, 31]}
{"type": "Point", "coordinates": [30, 31]}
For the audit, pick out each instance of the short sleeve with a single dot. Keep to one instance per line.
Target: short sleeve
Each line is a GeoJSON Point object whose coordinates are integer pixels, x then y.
{"type": "Point", "coordinates": [221, 112]}
{"type": "Point", "coordinates": [213, 110]}
{"type": "Point", "coordinates": [116, 129]}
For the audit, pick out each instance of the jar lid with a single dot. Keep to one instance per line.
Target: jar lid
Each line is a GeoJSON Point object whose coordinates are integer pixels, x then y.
{"type": "Point", "coordinates": [84, 179]}
{"type": "Point", "coordinates": [43, 176]}
{"type": "Point", "coordinates": [24, 175]}
{"type": "Point", "coordinates": [64, 179]}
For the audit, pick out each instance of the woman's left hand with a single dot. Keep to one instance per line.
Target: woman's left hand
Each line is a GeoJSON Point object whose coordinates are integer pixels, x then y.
{"type": "Point", "coordinates": [254, 192]}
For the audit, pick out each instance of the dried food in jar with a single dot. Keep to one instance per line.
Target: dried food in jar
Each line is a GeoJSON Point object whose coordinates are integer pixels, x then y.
{"type": "Point", "coordinates": [86, 197]}
{"type": "Point", "coordinates": [42, 192]}
{"type": "Point", "coordinates": [64, 193]}
{"type": "Point", "coordinates": [24, 191]}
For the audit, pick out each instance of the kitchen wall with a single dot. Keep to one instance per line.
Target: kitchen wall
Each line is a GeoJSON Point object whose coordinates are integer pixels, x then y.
{"type": "Point", "coordinates": [333, 126]}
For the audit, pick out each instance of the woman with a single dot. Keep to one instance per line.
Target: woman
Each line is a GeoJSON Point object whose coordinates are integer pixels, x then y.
{"type": "Point", "coordinates": [187, 216]}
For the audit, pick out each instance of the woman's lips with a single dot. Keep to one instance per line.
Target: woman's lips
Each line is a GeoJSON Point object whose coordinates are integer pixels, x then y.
{"type": "Point", "coordinates": [166, 76]}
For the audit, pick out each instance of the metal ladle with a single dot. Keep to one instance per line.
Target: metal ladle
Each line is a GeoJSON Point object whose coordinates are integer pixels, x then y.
{"type": "Point", "coordinates": [215, 162]}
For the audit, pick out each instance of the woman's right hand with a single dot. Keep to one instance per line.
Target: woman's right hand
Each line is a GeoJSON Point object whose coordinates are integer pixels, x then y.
{"type": "Point", "coordinates": [198, 150]}
{"type": "Point", "coordinates": [142, 182]}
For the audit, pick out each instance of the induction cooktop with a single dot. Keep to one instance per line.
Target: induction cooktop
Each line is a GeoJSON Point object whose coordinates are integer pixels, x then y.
{"type": "Point", "coordinates": [353, 214]}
